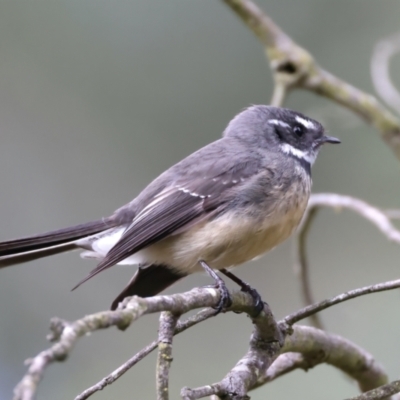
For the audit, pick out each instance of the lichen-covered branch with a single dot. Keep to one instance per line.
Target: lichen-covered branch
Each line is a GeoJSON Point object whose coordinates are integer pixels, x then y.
{"type": "Point", "coordinates": [201, 316]}
{"type": "Point", "coordinates": [294, 67]}
{"type": "Point", "coordinates": [68, 334]}
{"type": "Point", "coordinates": [166, 333]}
{"type": "Point", "coordinates": [265, 344]}
{"type": "Point", "coordinates": [305, 348]}
{"type": "Point", "coordinates": [338, 352]}
{"type": "Point", "coordinates": [381, 393]}
{"type": "Point", "coordinates": [308, 347]}
{"type": "Point", "coordinates": [251, 371]}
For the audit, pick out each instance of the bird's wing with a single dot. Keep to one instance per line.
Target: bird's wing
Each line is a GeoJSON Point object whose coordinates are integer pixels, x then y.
{"type": "Point", "coordinates": [188, 200]}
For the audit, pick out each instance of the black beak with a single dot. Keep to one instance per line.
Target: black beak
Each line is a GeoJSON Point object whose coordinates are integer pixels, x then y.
{"type": "Point", "coordinates": [328, 139]}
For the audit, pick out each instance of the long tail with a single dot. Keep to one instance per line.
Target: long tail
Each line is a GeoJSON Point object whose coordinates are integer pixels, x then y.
{"type": "Point", "coordinates": [30, 248]}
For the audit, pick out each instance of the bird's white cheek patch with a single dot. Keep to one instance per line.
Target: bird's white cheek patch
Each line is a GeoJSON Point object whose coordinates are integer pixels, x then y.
{"type": "Point", "coordinates": [302, 155]}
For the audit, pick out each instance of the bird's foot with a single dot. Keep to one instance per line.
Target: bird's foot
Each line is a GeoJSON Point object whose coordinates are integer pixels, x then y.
{"type": "Point", "coordinates": [225, 300]}
{"type": "Point", "coordinates": [245, 287]}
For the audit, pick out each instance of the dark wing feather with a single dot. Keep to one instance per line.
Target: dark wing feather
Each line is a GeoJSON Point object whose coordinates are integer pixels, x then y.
{"type": "Point", "coordinates": [186, 201]}
{"type": "Point", "coordinates": [163, 219]}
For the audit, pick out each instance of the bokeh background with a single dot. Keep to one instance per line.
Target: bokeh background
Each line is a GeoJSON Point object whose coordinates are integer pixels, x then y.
{"type": "Point", "coordinates": [98, 97]}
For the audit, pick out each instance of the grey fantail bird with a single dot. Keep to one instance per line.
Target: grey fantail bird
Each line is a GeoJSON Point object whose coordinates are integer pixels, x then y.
{"type": "Point", "coordinates": [227, 203]}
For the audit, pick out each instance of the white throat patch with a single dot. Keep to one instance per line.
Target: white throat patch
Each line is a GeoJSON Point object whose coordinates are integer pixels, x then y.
{"type": "Point", "coordinates": [302, 155]}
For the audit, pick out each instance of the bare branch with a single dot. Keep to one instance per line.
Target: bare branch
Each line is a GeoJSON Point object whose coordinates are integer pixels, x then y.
{"type": "Point", "coordinates": [279, 95]}
{"type": "Point", "coordinates": [393, 214]}
{"type": "Point", "coordinates": [309, 347]}
{"type": "Point", "coordinates": [130, 310]}
{"type": "Point", "coordinates": [380, 393]}
{"type": "Point", "coordinates": [166, 332]}
{"type": "Point", "coordinates": [135, 307]}
{"type": "Point", "coordinates": [351, 294]}
{"type": "Point", "coordinates": [302, 263]}
{"type": "Point", "coordinates": [305, 348]}
{"type": "Point", "coordinates": [338, 352]}
{"type": "Point", "coordinates": [289, 362]}
{"type": "Point", "coordinates": [201, 316]}
{"type": "Point", "coordinates": [265, 344]}
{"type": "Point", "coordinates": [381, 219]}
{"type": "Point", "coordinates": [371, 213]}
{"type": "Point", "coordinates": [380, 60]}
{"type": "Point", "coordinates": [108, 380]}
{"type": "Point", "coordinates": [294, 67]}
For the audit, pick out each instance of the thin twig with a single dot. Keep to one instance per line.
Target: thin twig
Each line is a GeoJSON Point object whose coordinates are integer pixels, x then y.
{"type": "Point", "coordinates": [201, 316]}
{"type": "Point", "coordinates": [111, 378]}
{"type": "Point", "coordinates": [166, 332]}
{"type": "Point", "coordinates": [371, 213]}
{"type": "Point", "coordinates": [381, 219]}
{"type": "Point", "coordinates": [279, 95]}
{"type": "Point", "coordinates": [351, 294]}
{"type": "Point", "coordinates": [303, 268]}
{"type": "Point", "coordinates": [393, 214]}
{"type": "Point", "coordinates": [135, 307]}
{"type": "Point", "coordinates": [130, 310]}
{"type": "Point", "coordinates": [380, 60]}
{"type": "Point", "coordinates": [380, 393]}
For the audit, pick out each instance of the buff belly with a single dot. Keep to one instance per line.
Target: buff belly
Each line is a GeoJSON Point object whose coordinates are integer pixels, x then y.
{"type": "Point", "coordinates": [227, 241]}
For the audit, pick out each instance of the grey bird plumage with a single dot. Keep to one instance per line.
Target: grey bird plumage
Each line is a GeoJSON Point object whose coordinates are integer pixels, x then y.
{"type": "Point", "coordinates": [227, 203]}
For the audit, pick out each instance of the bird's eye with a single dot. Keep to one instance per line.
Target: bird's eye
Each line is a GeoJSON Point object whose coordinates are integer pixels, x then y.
{"type": "Point", "coordinates": [299, 130]}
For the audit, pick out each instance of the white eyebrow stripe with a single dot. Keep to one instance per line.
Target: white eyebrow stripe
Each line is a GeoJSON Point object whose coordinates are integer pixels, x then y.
{"type": "Point", "coordinates": [278, 122]}
{"type": "Point", "coordinates": [305, 122]}
{"type": "Point", "coordinates": [306, 156]}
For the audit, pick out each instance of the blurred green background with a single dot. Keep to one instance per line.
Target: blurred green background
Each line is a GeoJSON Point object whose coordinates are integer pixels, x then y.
{"type": "Point", "coordinates": [98, 97]}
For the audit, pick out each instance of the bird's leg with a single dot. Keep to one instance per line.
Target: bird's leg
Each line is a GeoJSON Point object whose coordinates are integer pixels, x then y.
{"type": "Point", "coordinates": [225, 300]}
{"type": "Point", "coordinates": [245, 287]}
